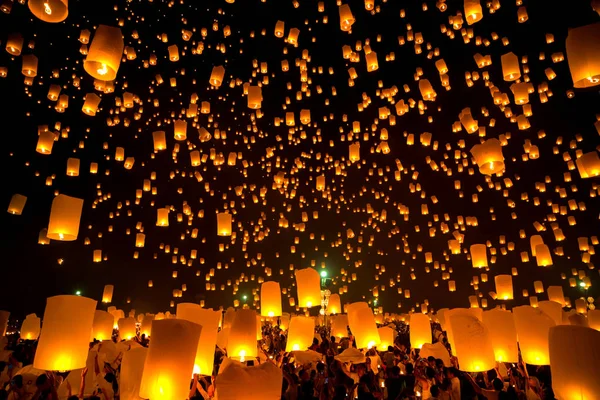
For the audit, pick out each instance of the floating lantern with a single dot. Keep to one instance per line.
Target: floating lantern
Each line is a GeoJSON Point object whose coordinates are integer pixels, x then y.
{"type": "Point", "coordinates": [420, 330]}
{"type": "Point", "coordinates": [49, 10]}
{"type": "Point", "coordinates": [236, 381]}
{"type": "Point", "coordinates": [362, 325]}
{"type": "Point", "coordinates": [127, 328]}
{"type": "Point", "coordinates": [90, 105]}
{"type": "Point", "coordinates": [241, 344]}
{"type": "Point", "coordinates": [510, 67]}
{"type": "Point", "coordinates": [209, 321]}
{"type": "Point", "coordinates": [588, 165]}
{"type": "Point", "coordinates": [30, 329]}
{"type": "Point", "coordinates": [503, 334]}
{"type": "Point", "coordinates": [301, 333]}
{"type": "Point", "coordinates": [217, 75]}
{"type": "Point", "coordinates": [224, 224]}
{"type": "Point", "coordinates": [478, 255]}
{"type": "Point", "coordinates": [132, 369]}
{"type": "Point", "coordinates": [104, 55]}
{"type": "Point", "coordinates": [102, 327]}
{"type": "Point", "coordinates": [64, 218]}
{"type": "Point", "coordinates": [108, 293]}
{"type": "Point", "coordinates": [504, 287]}
{"type": "Point", "coordinates": [346, 17]}
{"type": "Point", "coordinates": [30, 64]}
{"type": "Point", "coordinates": [65, 335]}
{"type": "Point", "coordinates": [532, 329]}
{"type": "Point", "coordinates": [270, 299]}
{"type": "Point", "coordinates": [17, 203]}
{"type": "Point", "coordinates": [473, 11]}
{"type": "Point", "coordinates": [335, 305]}
{"type": "Point", "coordinates": [308, 283]}
{"type": "Point", "coordinates": [387, 336]}
{"type": "Point", "coordinates": [254, 97]}
{"type": "Point", "coordinates": [488, 157]}
{"type": "Point", "coordinates": [555, 293]}
{"type": "Point", "coordinates": [160, 141]}
{"type": "Point", "coordinates": [472, 343]}
{"type": "Point", "coordinates": [339, 326]}
{"type": "Point", "coordinates": [584, 56]}
{"type": "Point", "coordinates": [162, 217]}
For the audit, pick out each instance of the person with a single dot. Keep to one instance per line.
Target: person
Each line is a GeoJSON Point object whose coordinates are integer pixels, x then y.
{"type": "Point", "coordinates": [389, 358]}
{"type": "Point", "coordinates": [494, 394]}
{"type": "Point", "coordinates": [452, 375]}
{"type": "Point", "coordinates": [435, 392]}
{"type": "Point", "coordinates": [393, 383]}
{"type": "Point", "coordinates": [198, 384]}
{"type": "Point", "coordinates": [17, 390]}
{"type": "Point", "coordinates": [46, 387]}
{"type": "Point", "coordinates": [533, 389]}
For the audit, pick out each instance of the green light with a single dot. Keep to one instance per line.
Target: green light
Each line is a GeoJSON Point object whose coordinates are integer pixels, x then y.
{"type": "Point", "coordinates": [244, 297]}
{"type": "Point", "coordinates": [375, 301]}
{"type": "Point", "coordinates": [582, 284]}
{"type": "Point", "coordinates": [323, 274]}
{"type": "Point", "coordinates": [78, 293]}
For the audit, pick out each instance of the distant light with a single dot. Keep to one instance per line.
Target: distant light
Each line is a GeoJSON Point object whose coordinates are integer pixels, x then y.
{"type": "Point", "coordinates": [244, 297]}
{"type": "Point", "coordinates": [323, 274]}
{"type": "Point", "coordinates": [582, 284]}
{"type": "Point", "coordinates": [78, 293]}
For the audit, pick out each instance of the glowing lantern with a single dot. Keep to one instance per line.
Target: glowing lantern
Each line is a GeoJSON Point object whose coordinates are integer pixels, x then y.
{"type": "Point", "coordinates": [270, 299]}
{"type": "Point", "coordinates": [217, 75]}
{"type": "Point", "coordinates": [555, 293]}
{"type": "Point", "coordinates": [209, 321]}
{"type": "Point", "coordinates": [346, 17]}
{"type": "Point", "coordinates": [90, 105]}
{"type": "Point", "coordinates": [420, 330]}
{"type": "Point", "coordinates": [488, 157]}
{"type": "Point", "coordinates": [354, 152]}
{"type": "Point", "coordinates": [173, 52]}
{"type": "Point", "coordinates": [104, 55]}
{"type": "Point", "coordinates": [594, 319]}
{"type": "Point", "coordinates": [583, 55]}
{"type": "Point", "coordinates": [362, 325]}
{"type": "Point", "coordinates": [339, 326]}
{"type": "Point", "coordinates": [504, 287]}
{"type": "Point", "coordinates": [574, 352]}
{"type": "Point", "coordinates": [308, 283]}
{"type": "Point", "coordinates": [170, 360]}
{"type": "Point", "coordinates": [73, 166]}
{"type": "Point", "coordinates": [542, 255]}
{"type": "Point", "coordinates": [510, 67]}
{"type": "Point", "coordinates": [387, 336]}
{"type": "Point", "coordinates": [588, 165]}
{"type": "Point", "coordinates": [532, 329]}
{"type": "Point", "coordinates": [472, 343]}
{"type": "Point", "coordinates": [49, 10]}
{"type": "Point", "coordinates": [132, 368]}
{"type": "Point", "coordinates": [160, 141]}
{"type": "Point", "coordinates": [478, 255]}
{"type": "Point", "coordinates": [241, 343]}
{"type": "Point", "coordinates": [45, 142]}
{"type": "Point", "coordinates": [224, 224]}
{"type": "Point", "coordinates": [127, 329]}
{"type": "Point", "coordinates": [254, 97]}
{"type": "Point", "coordinates": [64, 218]}
{"type": "Point", "coordinates": [30, 329]}
{"type": "Point", "coordinates": [65, 335]}
{"type": "Point", "coordinates": [236, 381]}
{"type": "Point", "coordinates": [17, 203]}
{"type": "Point", "coordinates": [502, 331]}
{"type": "Point", "coordinates": [102, 327]}
{"type": "Point", "coordinates": [140, 240]}
{"type": "Point", "coordinates": [321, 183]}
{"type": "Point", "coordinates": [293, 36]}
{"type": "Point", "coordinates": [180, 128]}
{"type": "Point", "coordinates": [30, 64]}
{"type": "Point", "coordinates": [426, 90]}
{"type": "Point", "coordinates": [473, 11]}
{"type": "Point", "coordinates": [279, 29]}
{"type": "Point", "coordinates": [108, 293]}
{"type": "Point", "coordinates": [301, 333]}
{"type": "Point", "coordinates": [335, 305]}
{"type": "Point", "coordinates": [162, 217]}
{"type": "Point", "coordinates": [553, 310]}
{"type": "Point", "coordinates": [14, 44]}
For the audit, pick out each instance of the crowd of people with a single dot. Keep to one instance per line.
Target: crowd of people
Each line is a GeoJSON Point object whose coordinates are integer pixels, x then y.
{"type": "Point", "coordinates": [322, 372]}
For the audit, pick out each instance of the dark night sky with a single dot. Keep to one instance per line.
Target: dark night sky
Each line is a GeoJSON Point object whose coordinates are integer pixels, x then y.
{"type": "Point", "coordinates": [31, 272]}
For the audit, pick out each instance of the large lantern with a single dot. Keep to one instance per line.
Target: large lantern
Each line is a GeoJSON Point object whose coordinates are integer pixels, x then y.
{"type": "Point", "coordinates": [224, 224]}
{"type": "Point", "coordinates": [532, 329]}
{"type": "Point", "coordinates": [241, 343]}
{"type": "Point", "coordinates": [479, 255]}
{"type": "Point", "coordinates": [64, 218]}
{"type": "Point", "coordinates": [339, 326]}
{"type": "Point", "coordinates": [346, 17]}
{"type": "Point", "coordinates": [555, 293]}
{"type": "Point", "coordinates": [300, 334]}
{"type": "Point", "coordinates": [588, 165]}
{"type": "Point", "coordinates": [510, 67]}
{"type": "Point", "coordinates": [162, 217]}
{"type": "Point", "coordinates": [501, 327]}
{"type": "Point", "coordinates": [127, 330]}
{"type": "Point", "coordinates": [170, 360]}
{"type": "Point", "coordinates": [387, 336]}
{"type": "Point", "coordinates": [472, 343]}
{"type": "Point", "coordinates": [575, 361]}
{"type": "Point", "coordinates": [308, 284]}
{"type": "Point", "coordinates": [420, 330]}
{"type": "Point", "coordinates": [30, 329]}
{"type": "Point", "coordinates": [217, 75]}
{"type": "Point", "coordinates": [108, 293]}
{"type": "Point", "coordinates": [160, 140]}
{"type": "Point", "coordinates": [105, 52]}
{"type": "Point", "coordinates": [49, 10]}
{"type": "Point", "coordinates": [209, 320]}
{"type": "Point", "coordinates": [254, 97]}
{"type": "Point", "coordinates": [17, 203]}
{"type": "Point", "coordinates": [488, 156]}
{"type": "Point", "coordinates": [473, 11]}
{"type": "Point", "coordinates": [362, 325]}
{"type": "Point", "coordinates": [584, 56]}
{"type": "Point", "coordinates": [132, 369]}
{"type": "Point", "coordinates": [64, 339]}
{"type": "Point", "coordinates": [236, 381]}
{"type": "Point", "coordinates": [102, 327]}
{"type": "Point", "coordinates": [504, 287]}
{"type": "Point", "coordinates": [354, 152]}
{"type": "Point", "coordinates": [334, 306]}
{"type": "Point", "coordinates": [270, 299]}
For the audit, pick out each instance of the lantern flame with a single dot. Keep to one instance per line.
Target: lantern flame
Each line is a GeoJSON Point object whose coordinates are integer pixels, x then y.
{"type": "Point", "coordinates": [47, 9]}
{"type": "Point", "coordinates": [103, 70]}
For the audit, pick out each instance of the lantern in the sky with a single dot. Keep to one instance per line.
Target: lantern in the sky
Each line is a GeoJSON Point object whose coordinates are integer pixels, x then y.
{"type": "Point", "coordinates": [90, 105]}
{"type": "Point", "coordinates": [241, 344]}
{"type": "Point", "coordinates": [478, 255]}
{"type": "Point", "coordinates": [488, 156]}
{"type": "Point", "coordinates": [363, 326]}
{"type": "Point", "coordinates": [254, 97]}
{"type": "Point", "coordinates": [49, 10]}
{"type": "Point", "coordinates": [504, 287]}
{"type": "Point", "coordinates": [532, 329]}
{"type": "Point", "coordinates": [354, 152]}
{"type": "Point", "coordinates": [45, 142]}
{"type": "Point", "coordinates": [30, 64]}
{"type": "Point", "coordinates": [420, 330]}
{"type": "Point", "coordinates": [575, 361]}
{"type": "Point", "coordinates": [510, 67]}
{"type": "Point", "coordinates": [64, 218]}
{"type": "Point", "coordinates": [224, 224]}
{"type": "Point", "coordinates": [503, 333]}
{"type": "Point", "coordinates": [17, 203]}
{"type": "Point", "coordinates": [301, 333]}
{"type": "Point", "coordinates": [180, 129]}
{"type": "Point", "coordinates": [387, 336]}
{"type": "Point", "coordinates": [308, 283]}
{"type": "Point", "coordinates": [334, 306]}
{"type": "Point", "coordinates": [472, 343]}
{"type": "Point", "coordinates": [583, 55]}
{"type": "Point", "coordinates": [556, 294]}
{"type": "Point", "coordinates": [108, 293]}
{"type": "Point", "coordinates": [127, 329]}
{"type": "Point", "coordinates": [65, 335]}
{"type": "Point", "coordinates": [588, 165]}
{"type": "Point", "coordinates": [30, 329]}
{"type": "Point", "coordinates": [102, 327]}
{"type": "Point", "coordinates": [209, 321]}
{"type": "Point", "coordinates": [321, 183]}
{"type": "Point", "coordinates": [105, 52]}
{"type": "Point", "coordinates": [270, 299]}
{"type": "Point", "coordinates": [473, 11]}
{"type": "Point", "coordinates": [162, 217]}
{"type": "Point", "coordinates": [160, 141]}
{"type": "Point", "coordinates": [543, 256]}
{"type": "Point", "coordinates": [339, 326]}
{"type": "Point", "coordinates": [346, 17]}
{"type": "Point", "coordinates": [170, 360]}
{"type": "Point", "coordinates": [217, 75]}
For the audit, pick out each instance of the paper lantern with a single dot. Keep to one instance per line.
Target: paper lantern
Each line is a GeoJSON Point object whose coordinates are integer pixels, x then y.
{"type": "Point", "coordinates": [17, 203]}
{"type": "Point", "coordinates": [108, 293]}
{"type": "Point", "coordinates": [542, 255]}
{"type": "Point", "coordinates": [140, 240]}
{"type": "Point", "coordinates": [217, 75]}
{"type": "Point", "coordinates": [236, 381]}
{"type": "Point", "coordinates": [510, 67]}
{"type": "Point", "coordinates": [209, 321]}
{"type": "Point", "coordinates": [354, 152]}
{"type": "Point", "coordinates": [473, 11]}
{"type": "Point", "coordinates": [279, 29]}
{"type": "Point", "coordinates": [575, 361]}
{"type": "Point", "coordinates": [254, 97]}
{"type": "Point", "coordinates": [180, 128]}
{"type": "Point", "coordinates": [300, 334]}
{"type": "Point", "coordinates": [594, 319]}
{"type": "Point", "coordinates": [532, 330]}
{"type": "Point", "coordinates": [308, 284]}
{"type": "Point", "coordinates": [346, 17]}
{"type": "Point", "coordinates": [146, 325]}
{"type": "Point", "coordinates": [339, 326]}
{"type": "Point", "coordinates": [162, 217]}
{"type": "Point", "coordinates": [49, 10]}
{"type": "Point", "coordinates": [387, 336]}
{"type": "Point", "coordinates": [170, 359]}
{"type": "Point", "coordinates": [241, 344]}
{"type": "Point", "coordinates": [224, 224]}
{"type": "Point", "coordinates": [173, 52]}
{"type": "Point", "coordinates": [503, 333]}
{"type": "Point", "coordinates": [488, 157]}
{"type": "Point", "coordinates": [420, 330]}
{"type": "Point", "coordinates": [363, 326]}
{"type": "Point", "coordinates": [14, 44]}
{"type": "Point", "coordinates": [588, 165]}
{"type": "Point", "coordinates": [472, 343]}
{"type": "Point", "coordinates": [553, 310]}
{"type": "Point", "coordinates": [584, 56]}
{"type": "Point", "coordinates": [159, 139]}
{"type": "Point", "coordinates": [73, 166]}
{"type": "Point", "coordinates": [64, 218]}
{"type": "Point", "coordinates": [132, 369]}
{"type": "Point", "coordinates": [104, 55]}
{"type": "Point", "coordinates": [426, 90]}
{"type": "Point", "coordinates": [65, 335]}
{"type": "Point", "coordinates": [90, 105]}
{"type": "Point", "coordinates": [504, 287]}
{"type": "Point", "coordinates": [30, 64]}
{"type": "Point", "coordinates": [127, 328]}
{"type": "Point", "coordinates": [45, 142]}
{"type": "Point", "coordinates": [321, 182]}
{"type": "Point", "coordinates": [30, 329]}
{"type": "Point", "coordinates": [478, 255]}
{"type": "Point", "coordinates": [555, 293]}
{"type": "Point", "coordinates": [102, 327]}
{"type": "Point", "coordinates": [335, 305]}
{"type": "Point", "coordinates": [270, 299]}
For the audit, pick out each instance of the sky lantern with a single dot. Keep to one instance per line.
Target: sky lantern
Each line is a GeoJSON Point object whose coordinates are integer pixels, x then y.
{"type": "Point", "coordinates": [65, 335]}
{"type": "Point", "coordinates": [588, 165]}
{"type": "Point", "coordinates": [64, 218]}
{"type": "Point", "coordinates": [363, 326]}
{"type": "Point", "coordinates": [254, 97]}
{"type": "Point", "coordinates": [301, 333]}
{"type": "Point", "coordinates": [209, 321]}
{"type": "Point", "coordinates": [504, 287]}
{"type": "Point", "coordinates": [17, 203]}
{"type": "Point", "coordinates": [217, 75]}
{"type": "Point", "coordinates": [30, 329]}
{"type": "Point", "coordinates": [127, 328]}
{"type": "Point", "coordinates": [478, 255]}
{"type": "Point", "coordinates": [472, 343]}
{"type": "Point", "coordinates": [532, 329]}
{"type": "Point", "coordinates": [30, 65]}
{"type": "Point", "coordinates": [488, 156]}
{"type": "Point", "coordinates": [104, 55]}
{"type": "Point", "coordinates": [241, 344]}
{"type": "Point", "coordinates": [224, 224]}
{"type": "Point", "coordinates": [108, 293]}
{"type": "Point", "coordinates": [237, 381]}
{"type": "Point", "coordinates": [346, 17]}
{"type": "Point", "coordinates": [339, 326]}
{"type": "Point", "coordinates": [279, 29]}
{"type": "Point", "coordinates": [270, 299]}
{"type": "Point", "coordinates": [420, 330]}
{"type": "Point", "coordinates": [308, 283]}
{"type": "Point", "coordinates": [387, 336]}
{"type": "Point", "coordinates": [14, 44]}
{"type": "Point", "coordinates": [473, 11]}
{"type": "Point", "coordinates": [584, 56]}
{"type": "Point", "coordinates": [556, 294]}
{"type": "Point", "coordinates": [132, 367]}
{"type": "Point", "coordinates": [102, 327]}
{"type": "Point", "coordinates": [49, 10]}
{"type": "Point", "coordinates": [162, 217]}
{"type": "Point", "coordinates": [335, 305]}
{"type": "Point", "coordinates": [503, 333]}
{"type": "Point", "coordinates": [170, 360]}
{"type": "Point", "coordinates": [510, 67]}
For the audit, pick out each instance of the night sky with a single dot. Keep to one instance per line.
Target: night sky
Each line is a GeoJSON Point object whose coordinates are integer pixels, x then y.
{"type": "Point", "coordinates": [31, 272]}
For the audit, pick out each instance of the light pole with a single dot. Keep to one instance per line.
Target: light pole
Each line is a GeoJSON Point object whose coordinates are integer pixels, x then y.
{"type": "Point", "coordinates": [325, 294]}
